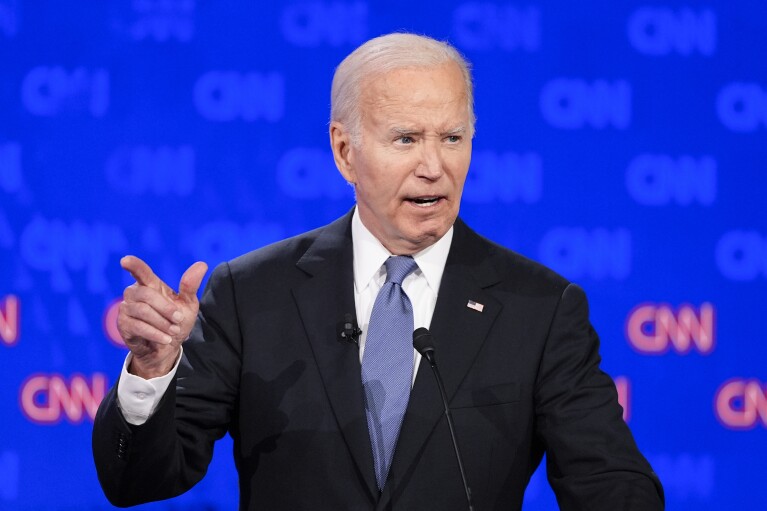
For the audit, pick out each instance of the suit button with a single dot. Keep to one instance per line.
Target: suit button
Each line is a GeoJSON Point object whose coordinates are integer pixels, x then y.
{"type": "Point", "coordinates": [122, 446]}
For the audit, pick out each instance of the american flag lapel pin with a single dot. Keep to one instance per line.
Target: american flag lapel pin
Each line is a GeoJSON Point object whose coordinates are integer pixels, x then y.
{"type": "Point", "coordinates": [475, 305]}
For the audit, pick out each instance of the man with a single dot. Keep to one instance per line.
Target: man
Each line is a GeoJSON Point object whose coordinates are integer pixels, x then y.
{"type": "Point", "coordinates": [322, 424]}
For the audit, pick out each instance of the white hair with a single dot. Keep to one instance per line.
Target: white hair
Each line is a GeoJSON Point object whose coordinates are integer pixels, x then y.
{"type": "Point", "coordinates": [382, 55]}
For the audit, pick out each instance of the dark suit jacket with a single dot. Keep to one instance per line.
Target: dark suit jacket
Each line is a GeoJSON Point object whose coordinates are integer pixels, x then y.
{"type": "Point", "coordinates": [265, 364]}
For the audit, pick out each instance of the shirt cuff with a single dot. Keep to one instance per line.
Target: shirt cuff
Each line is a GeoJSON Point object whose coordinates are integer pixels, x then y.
{"type": "Point", "coordinates": [138, 398]}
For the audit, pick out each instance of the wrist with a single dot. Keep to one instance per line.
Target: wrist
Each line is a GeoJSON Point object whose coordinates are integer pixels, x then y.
{"type": "Point", "coordinates": [154, 369]}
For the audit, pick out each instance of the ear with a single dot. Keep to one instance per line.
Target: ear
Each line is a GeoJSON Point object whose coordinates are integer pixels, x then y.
{"type": "Point", "coordinates": [341, 144]}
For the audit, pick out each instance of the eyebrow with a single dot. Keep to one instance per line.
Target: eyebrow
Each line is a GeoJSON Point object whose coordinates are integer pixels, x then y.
{"type": "Point", "coordinates": [455, 131]}
{"type": "Point", "coordinates": [407, 131]}
{"type": "Point", "coordinates": [403, 131]}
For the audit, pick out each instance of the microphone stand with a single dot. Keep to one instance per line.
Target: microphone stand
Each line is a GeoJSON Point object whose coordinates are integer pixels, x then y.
{"type": "Point", "coordinates": [421, 338]}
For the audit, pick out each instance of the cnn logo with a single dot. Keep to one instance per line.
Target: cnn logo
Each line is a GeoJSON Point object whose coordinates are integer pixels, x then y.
{"type": "Point", "coordinates": [741, 404]}
{"type": "Point", "coordinates": [10, 318]}
{"type": "Point", "coordinates": [49, 398]}
{"type": "Point", "coordinates": [654, 329]}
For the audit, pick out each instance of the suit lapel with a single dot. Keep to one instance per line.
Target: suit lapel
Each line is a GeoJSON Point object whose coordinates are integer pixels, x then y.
{"type": "Point", "coordinates": [322, 302]}
{"type": "Point", "coordinates": [459, 332]}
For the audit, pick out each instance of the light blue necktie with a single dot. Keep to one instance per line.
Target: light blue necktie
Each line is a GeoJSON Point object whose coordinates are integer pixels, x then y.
{"type": "Point", "coordinates": [387, 364]}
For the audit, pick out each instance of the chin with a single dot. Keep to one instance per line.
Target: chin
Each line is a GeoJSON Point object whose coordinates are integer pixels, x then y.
{"type": "Point", "coordinates": [424, 238]}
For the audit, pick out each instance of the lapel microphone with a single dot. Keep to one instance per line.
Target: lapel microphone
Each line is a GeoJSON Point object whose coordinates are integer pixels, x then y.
{"type": "Point", "coordinates": [350, 332]}
{"type": "Point", "coordinates": [423, 342]}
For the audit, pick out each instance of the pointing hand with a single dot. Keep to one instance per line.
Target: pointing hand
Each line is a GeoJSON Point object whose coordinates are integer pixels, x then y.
{"type": "Point", "coordinates": [153, 319]}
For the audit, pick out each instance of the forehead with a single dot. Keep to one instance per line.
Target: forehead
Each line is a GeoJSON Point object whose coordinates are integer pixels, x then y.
{"type": "Point", "coordinates": [416, 93]}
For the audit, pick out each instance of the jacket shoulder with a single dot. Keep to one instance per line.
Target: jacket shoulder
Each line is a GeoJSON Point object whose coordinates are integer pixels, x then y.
{"type": "Point", "coordinates": [282, 256]}
{"type": "Point", "coordinates": [514, 269]}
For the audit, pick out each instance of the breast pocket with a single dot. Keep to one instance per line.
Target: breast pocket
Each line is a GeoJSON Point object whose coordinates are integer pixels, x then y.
{"type": "Point", "coordinates": [487, 395]}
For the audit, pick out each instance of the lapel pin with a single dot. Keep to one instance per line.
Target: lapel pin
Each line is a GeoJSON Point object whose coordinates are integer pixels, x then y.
{"type": "Point", "coordinates": [474, 305]}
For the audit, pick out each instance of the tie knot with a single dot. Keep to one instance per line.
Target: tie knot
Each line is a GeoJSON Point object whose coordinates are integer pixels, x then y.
{"type": "Point", "coordinates": [399, 267]}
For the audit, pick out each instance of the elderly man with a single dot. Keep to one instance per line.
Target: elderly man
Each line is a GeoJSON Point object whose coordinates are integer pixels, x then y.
{"type": "Point", "coordinates": [323, 424]}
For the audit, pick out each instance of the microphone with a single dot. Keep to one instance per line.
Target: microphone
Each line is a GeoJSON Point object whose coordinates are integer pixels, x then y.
{"type": "Point", "coordinates": [350, 332]}
{"type": "Point", "coordinates": [423, 342]}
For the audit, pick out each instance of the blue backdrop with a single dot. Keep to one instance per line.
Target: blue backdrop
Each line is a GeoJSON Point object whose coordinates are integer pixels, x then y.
{"type": "Point", "coordinates": [623, 143]}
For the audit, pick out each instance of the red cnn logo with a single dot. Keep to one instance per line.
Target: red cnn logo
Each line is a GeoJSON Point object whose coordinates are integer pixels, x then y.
{"type": "Point", "coordinates": [9, 320]}
{"type": "Point", "coordinates": [654, 328]}
{"type": "Point", "coordinates": [741, 404]}
{"type": "Point", "coordinates": [48, 398]}
{"type": "Point", "coordinates": [623, 386]}
{"type": "Point", "coordinates": [110, 323]}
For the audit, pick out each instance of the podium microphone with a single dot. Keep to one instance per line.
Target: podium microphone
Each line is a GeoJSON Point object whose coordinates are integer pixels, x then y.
{"type": "Point", "coordinates": [423, 342]}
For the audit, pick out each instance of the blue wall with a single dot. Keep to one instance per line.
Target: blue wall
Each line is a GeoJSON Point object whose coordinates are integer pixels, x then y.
{"type": "Point", "coordinates": [622, 143]}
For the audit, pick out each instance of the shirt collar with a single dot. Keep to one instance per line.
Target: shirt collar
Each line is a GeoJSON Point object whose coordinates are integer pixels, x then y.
{"type": "Point", "coordinates": [370, 255]}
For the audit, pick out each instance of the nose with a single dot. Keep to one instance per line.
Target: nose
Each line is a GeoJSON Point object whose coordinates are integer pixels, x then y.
{"type": "Point", "coordinates": [430, 163]}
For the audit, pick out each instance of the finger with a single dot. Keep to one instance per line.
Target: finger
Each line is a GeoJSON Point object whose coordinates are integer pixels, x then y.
{"type": "Point", "coordinates": [133, 330]}
{"type": "Point", "coordinates": [157, 300]}
{"type": "Point", "coordinates": [141, 271]}
{"type": "Point", "coordinates": [141, 311]}
{"type": "Point", "coordinates": [191, 280]}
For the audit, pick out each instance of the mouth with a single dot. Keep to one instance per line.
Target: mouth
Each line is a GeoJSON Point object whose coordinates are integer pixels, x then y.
{"type": "Point", "coordinates": [426, 201]}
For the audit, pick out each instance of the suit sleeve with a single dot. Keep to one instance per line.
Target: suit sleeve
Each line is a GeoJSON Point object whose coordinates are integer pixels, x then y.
{"type": "Point", "coordinates": [592, 460]}
{"type": "Point", "coordinates": [170, 453]}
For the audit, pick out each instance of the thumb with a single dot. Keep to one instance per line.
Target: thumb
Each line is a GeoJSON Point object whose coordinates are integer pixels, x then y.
{"type": "Point", "coordinates": [191, 280]}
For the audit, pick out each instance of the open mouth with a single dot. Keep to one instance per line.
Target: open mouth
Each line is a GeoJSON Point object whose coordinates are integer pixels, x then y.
{"type": "Point", "coordinates": [425, 202]}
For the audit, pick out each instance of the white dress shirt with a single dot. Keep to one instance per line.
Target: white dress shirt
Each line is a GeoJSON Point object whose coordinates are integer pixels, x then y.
{"type": "Point", "coordinates": [138, 398]}
{"type": "Point", "coordinates": [421, 286]}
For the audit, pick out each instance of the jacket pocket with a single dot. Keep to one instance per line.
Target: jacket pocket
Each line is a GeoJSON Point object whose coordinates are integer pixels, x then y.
{"type": "Point", "coordinates": [484, 396]}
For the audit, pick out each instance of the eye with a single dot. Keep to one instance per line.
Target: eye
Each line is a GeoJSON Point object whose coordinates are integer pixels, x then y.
{"type": "Point", "coordinates": [453, 139]}
{"type": "Point", "coordinates": [406, 139]}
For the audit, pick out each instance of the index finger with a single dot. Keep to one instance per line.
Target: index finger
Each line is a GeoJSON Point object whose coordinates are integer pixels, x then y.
{"type": "Point", "coordinates": [141, 271]}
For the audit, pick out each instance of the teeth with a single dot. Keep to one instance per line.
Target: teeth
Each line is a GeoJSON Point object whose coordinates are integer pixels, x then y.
{"type": "Point", "coordinates": [425, 203]}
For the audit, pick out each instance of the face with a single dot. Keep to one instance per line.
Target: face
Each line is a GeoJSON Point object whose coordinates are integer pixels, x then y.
{"type": "Point", "coordinates": [410, 166]}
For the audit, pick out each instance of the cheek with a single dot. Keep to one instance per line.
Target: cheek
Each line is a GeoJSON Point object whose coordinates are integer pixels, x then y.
{"type": "Point", "coordinates": [461, 168]}
{"type": "Point", "coordinates": [387, 185]}
{"type": "Point", "coordinates": [458, 174]}
{"type": "Point", "coordinates": [377, 191]}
